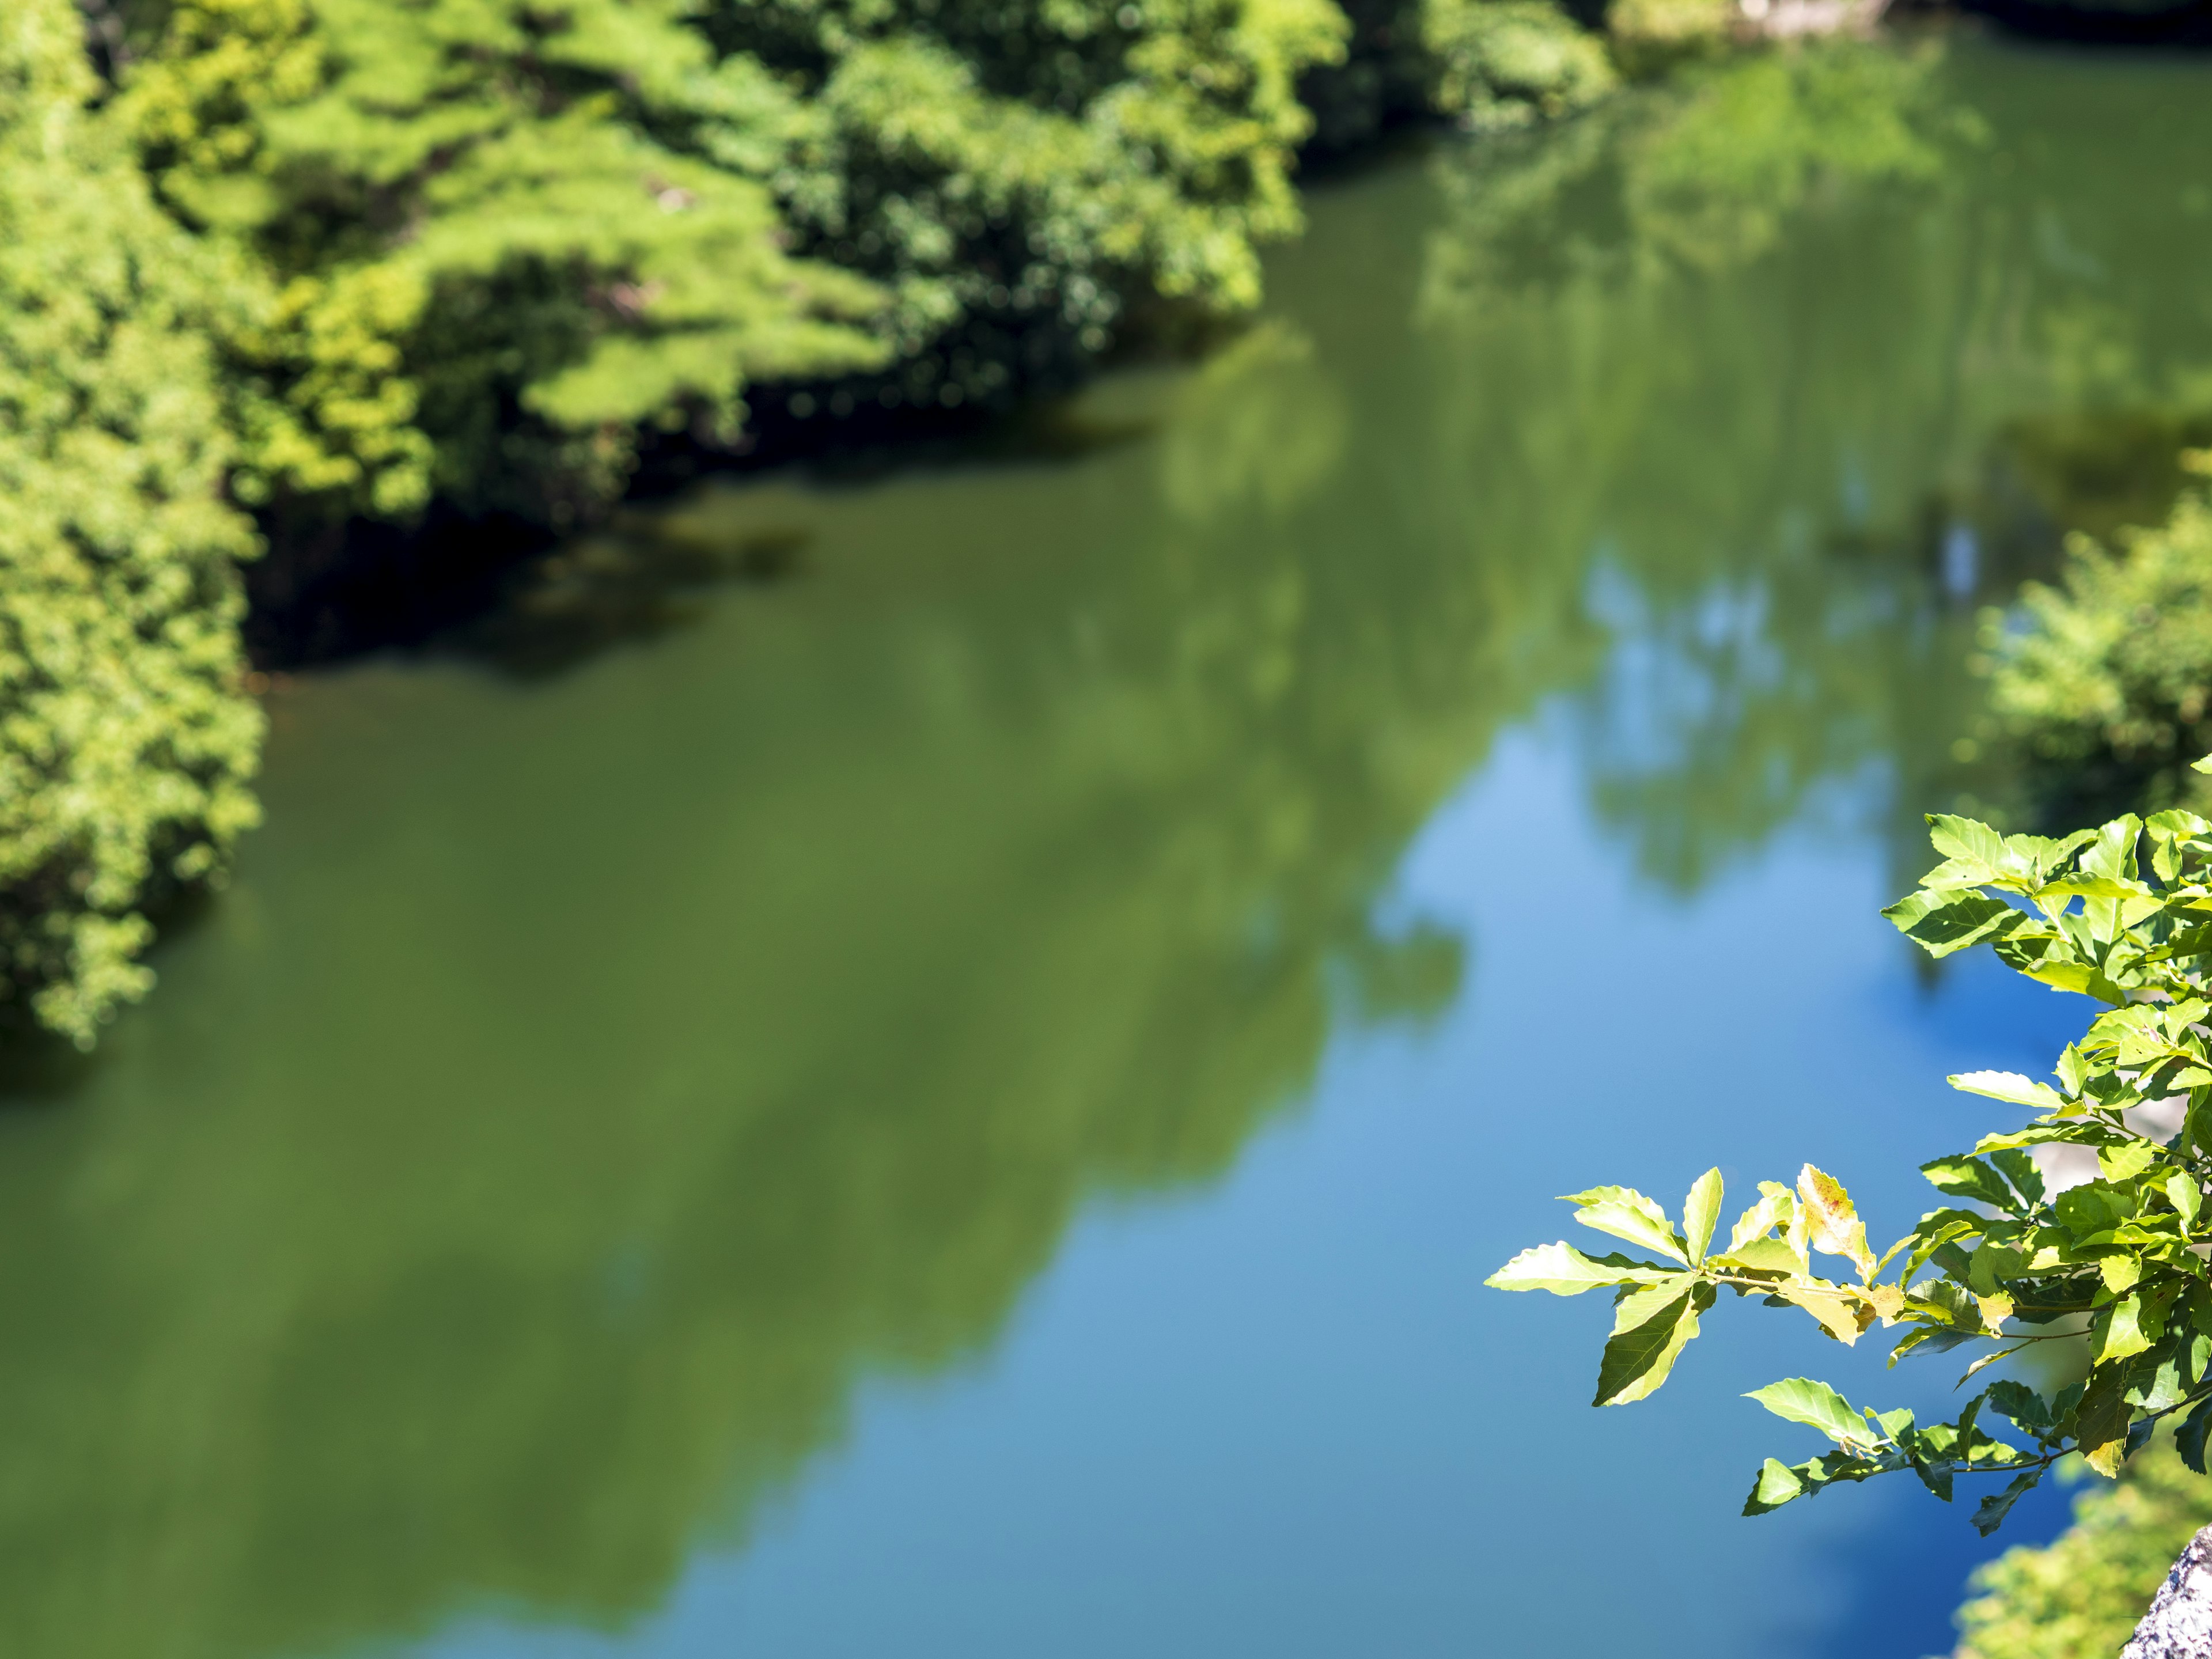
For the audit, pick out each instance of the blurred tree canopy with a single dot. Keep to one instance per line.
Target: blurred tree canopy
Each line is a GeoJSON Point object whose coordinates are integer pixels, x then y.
{"type": "Point", "coordinates": [125, 745]}
{"type": "Point", "coordinates": [329, 261]}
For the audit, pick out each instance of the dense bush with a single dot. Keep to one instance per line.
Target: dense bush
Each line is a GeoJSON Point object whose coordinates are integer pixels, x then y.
{"type": "Point", "coordinates": [2101, 682]}
{"type": "Point", "coordinates": [125, 745]}
{"type": "Point", "coordinates": [331, 260]}
{"type": "Point", "coordinates": [501, 242]}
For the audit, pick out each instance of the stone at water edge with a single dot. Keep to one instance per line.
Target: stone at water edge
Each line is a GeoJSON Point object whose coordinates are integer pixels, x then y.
{"type": "Point", "coordinates": [2180, 1623]}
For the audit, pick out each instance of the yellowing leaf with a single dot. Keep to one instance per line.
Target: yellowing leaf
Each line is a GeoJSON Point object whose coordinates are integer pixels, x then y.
{"type": "Point", "coordinates": [1835, 1226]}
{"type": "Point", "coordinates": [1761, 1217]}
{"type": "Point", "coordinates": [1995, 1309]}
{"type": "Point", "coordinates": [1840, 1311]}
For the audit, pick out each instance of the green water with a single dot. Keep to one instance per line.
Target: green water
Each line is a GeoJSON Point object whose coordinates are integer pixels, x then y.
{"type": "Point", "coordinates": [930, 1063]}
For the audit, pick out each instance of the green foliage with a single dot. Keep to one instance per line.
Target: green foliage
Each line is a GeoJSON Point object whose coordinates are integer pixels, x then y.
{"type": "Point", "coordinates": [2123, 914]}
{"type": "Point", "coordinates": [2104, 691]}
{"type": "Point", "coordinates": [1506, 62]}
{"type": "Point", "coordinates": [124, 745]}
{"type": "Point", "coordinates": [2079, 1597]}
{"type": "Point", "coordinates": [495, 244]}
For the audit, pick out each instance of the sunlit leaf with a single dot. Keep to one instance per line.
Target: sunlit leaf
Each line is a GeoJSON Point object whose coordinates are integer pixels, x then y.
{"type": "Point", "coordinates": [1778, 1483]}
{"type": "Point", "coordinates": [1841, 1314]}
{"type": "Point", "coordinates": [1626, 1213]}
{"type": "Point", "coordinates": [1565, 1271]}
{"type": "Point", "coordinates": [1968, 1177]}
{"type": "Point", "coordinates": [2185, 1195]}
{"type": "Point", "coordinates": [1701, 1213]}
{"type": "Point", "coordinates": [2010, 1086]}
{"type": "Point", "coordinates": [2020, 1169]}
{"type": "Point", "coordinates": [1835, 1224]}
{"type": "Point", "coordinates": [1813, 1403]}
{"type": "Point", "coordinates": [1639, 1355]}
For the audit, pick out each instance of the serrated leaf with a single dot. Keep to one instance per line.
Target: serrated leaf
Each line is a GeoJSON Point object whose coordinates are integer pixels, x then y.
{"type": "Point", "coordinates": [1564, 1270]}
{"type": "Point", "coordinates": [1765, 1255]}
{"type": "Point", "coordinates": [1638, 1358]}
{"type": "Point", "coordinates": [1835, 1226]}
{"type": "Point", "coordinates": [2020, 1169]}
{"type": "Point", "coordinates": [2100, 1421]}
{"type": "Point", "coordinates": [1701, 1213]}
{"type": "Point", "coordinates": [1840, 1314]}
{"type": "Point", "coordinates": [1778, 1483]}
{"type": "Point", "coordinates": [2020, 1403]}
{"type": "Point", "coordinates": [1813, 1403]}
{"type": "Point", "coordinates": [1967, 1177]}
{"type": "Point", "coordinates": [1760, 1218]}
{"type": "Point", "coordinates": [2185, 1195]}
{"type": "Point", "coordinates": [1947, 921]}
{"type": "Point", "coordinates": [2189, 1439]}
{"type": "Point", "coordinates": [2010, 1086]}
{"type": "Point", "coordinates": [2125, 1162]}
{"type": "Point", "coordinates": [1993, 1510]}
{"type": "Point", "coordinates": [1967, 838]}
{"type": "Point", "coordinates": [1626, 1213]}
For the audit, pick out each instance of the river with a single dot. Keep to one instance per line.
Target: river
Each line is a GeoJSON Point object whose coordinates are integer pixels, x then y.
{"type": "Point", "coordinates": [928, 1061]}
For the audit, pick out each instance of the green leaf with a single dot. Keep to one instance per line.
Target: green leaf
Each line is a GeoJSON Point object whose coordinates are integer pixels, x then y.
{"type": "Point", "coordinates": [2020, 1169]}
{"type": "Point", "coordinates": [2100, 1422]}
{"type": "Point", "coordinates": [1701, 1213]}
{"type": "Point", "coordinates": [1967, 838]}
{"type": "Point", "coordinates": [1626, 1213]}
{"type": "Point", "coordinates": [1968, 1177]}
{"type": "Point", "coordinates": [2010, 1086]}
{"type": "Point", "coordinates": [1650, 1329]}
{"type": "Point", "coordinates": [1993, 1510]}
{"type": "Point", "coordinates": [1776, 1207]}
{"type": "Point", "coordinates": [1564, 1270]}
{"type": "Point", "coordinates": [1765, 1255]}
{"type": "Point", "coordinates": [2125, 1162]}
{"type": "Point", "coordinates": [1940, 922]}
{"type": "Point", "coordinates": [1778, 1483]}
{"type": "Point", "coordinates": [1817, 1406]}
{"type": "Point", "coordinates": [2113, 852]}
{"type": "Point", "coordinates": [2022, 1404]}
{"type": "Point", "coordinates": [2185, 1195]}
{"type": "Point", "coordinates": [2189, 1439]}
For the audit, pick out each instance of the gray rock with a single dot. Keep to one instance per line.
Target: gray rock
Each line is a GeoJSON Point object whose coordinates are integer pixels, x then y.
{"type": "Point", "coordinates": [2180, 1623]}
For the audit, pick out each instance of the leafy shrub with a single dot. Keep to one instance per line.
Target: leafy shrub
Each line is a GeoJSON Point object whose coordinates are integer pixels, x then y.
{"type": "Point", "coordinates": [2102, 681]}
{"type": "Point", "coordinates": [499, 242]}
{"type": "Point", "coordinates": [1506, 63]}
{"type": "Point", "coordinates": [125, 745]}
{"type": "Point", "coordinates": [2109, 1263]}
{"type": "Point", "coordinates": [2079, 1597]}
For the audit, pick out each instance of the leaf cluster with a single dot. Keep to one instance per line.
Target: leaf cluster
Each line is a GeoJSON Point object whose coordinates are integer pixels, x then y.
{"type": "Point", "coordinates": [125, 745]}
{"type": "Point", "coordinates": [2116, 1261]}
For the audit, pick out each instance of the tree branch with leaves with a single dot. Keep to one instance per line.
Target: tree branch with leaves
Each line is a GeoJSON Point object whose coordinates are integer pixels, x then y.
{"type": "Point", "coordinates": [2122, 914]}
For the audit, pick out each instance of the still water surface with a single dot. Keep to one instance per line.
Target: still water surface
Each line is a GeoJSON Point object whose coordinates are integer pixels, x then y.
{"type": "Point", "coordinates": [956, 1100]}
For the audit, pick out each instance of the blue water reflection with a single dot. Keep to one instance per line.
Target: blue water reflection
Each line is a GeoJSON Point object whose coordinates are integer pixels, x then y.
{"type": "Point", "coordinates": [1283, 1417]}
